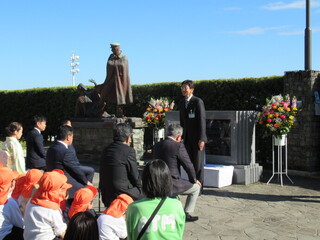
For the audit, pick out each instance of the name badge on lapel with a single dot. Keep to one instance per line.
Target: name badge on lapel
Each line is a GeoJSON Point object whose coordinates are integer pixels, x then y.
{"type": "Point", "coordinates": [191, 114]}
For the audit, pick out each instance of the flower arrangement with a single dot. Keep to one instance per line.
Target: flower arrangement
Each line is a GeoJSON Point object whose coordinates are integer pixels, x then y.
{"type": "Point", "coordinates": [278, 115]}
{"type": "Point", "coordinates": [155, 114]}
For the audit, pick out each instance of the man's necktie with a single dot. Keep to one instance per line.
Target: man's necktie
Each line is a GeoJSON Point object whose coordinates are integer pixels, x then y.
{"type": "Point", "coordinates": [187, 102]}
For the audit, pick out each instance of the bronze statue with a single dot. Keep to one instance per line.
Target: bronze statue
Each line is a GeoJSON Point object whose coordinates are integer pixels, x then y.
{"type": "Point", "coordinates": [88, 103]}
{"type": "Point", "coordinates": [116, 87]}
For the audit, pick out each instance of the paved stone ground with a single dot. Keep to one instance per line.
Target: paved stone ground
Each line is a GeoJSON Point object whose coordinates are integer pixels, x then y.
{"type": "Point", "coordinates": [256, 211]}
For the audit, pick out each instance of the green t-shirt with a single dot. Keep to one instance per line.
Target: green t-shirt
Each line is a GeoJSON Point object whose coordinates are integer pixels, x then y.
{"type": "Point", "coordinates": [168, 223]}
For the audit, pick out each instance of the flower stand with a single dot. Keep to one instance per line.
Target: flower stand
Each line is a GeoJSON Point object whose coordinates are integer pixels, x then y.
{"type": "Point", "coordinates": [281, 144]}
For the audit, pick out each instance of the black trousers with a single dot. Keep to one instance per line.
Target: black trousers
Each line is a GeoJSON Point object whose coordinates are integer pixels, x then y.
{"type": "Point", "coordinates": [197, 159]}
{"type": "Point", "coordinates": [16, 234]}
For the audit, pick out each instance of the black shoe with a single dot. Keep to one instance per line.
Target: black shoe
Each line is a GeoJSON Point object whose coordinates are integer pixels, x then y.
{"type": "Point", "coordinates": [189, 218]}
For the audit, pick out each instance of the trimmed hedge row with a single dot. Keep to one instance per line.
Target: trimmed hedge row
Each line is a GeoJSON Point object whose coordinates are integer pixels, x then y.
{"type": "Point", "coordinates": [59, 102]}
{"type": "Point", "coordinates": [21, 105]}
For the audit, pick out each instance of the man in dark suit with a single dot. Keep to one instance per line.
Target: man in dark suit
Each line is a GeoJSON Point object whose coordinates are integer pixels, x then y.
{"type": "Point", "coordinates": [174, 153]}
{"type": "Point", "coordinates": [118, 167]}
{"type": "Point", "coordinates": [59, 156]}
{"type": "Point", "coordinates": [193, 121]}
{"type": "Point", "coordinates": [88, 171]}
{"type": "Point", "coordinates": [36, 153]}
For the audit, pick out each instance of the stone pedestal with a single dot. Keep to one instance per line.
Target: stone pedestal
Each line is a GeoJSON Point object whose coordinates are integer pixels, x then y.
{"type": "Point", "coordinates": [231, 141]}
{"type": "Point", "coordinates": [91, 136]}
{"type": "Point", "coordinates": [304, 137]}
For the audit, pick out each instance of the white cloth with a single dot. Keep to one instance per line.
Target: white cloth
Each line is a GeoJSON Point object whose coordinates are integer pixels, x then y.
{"type": "Point", "coordinates": [188, 99]}
{"type": "Point", "coordinates": [42, 223]}
{"type": "Point", "coordinates": [10, 216]}
{"type": "Point", "coordinates": [16, 161]}
{"type": "Point", "coordinates": [63, 143]}
{"type": "Point", "coordinates": [111, 228]}
{"type": "Point", "coordinates": [37, 130]}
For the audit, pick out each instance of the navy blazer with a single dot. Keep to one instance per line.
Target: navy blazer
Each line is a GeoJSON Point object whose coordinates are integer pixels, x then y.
{"type": "Point", "coordinates": [36, 153]}
{"type": "Point", "coordinates": [60, 157]}
{"type": "Point", "coordinates": [175, 155]}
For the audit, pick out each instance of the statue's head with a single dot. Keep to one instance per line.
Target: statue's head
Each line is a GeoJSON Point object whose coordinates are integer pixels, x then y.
{"type": "Point", "coordinates": [115, 48]}
{"type": "Point", "coordinates": [81, 88]}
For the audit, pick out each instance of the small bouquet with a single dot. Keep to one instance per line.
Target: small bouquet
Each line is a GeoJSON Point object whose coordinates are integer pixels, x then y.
{"type": "Point", "coordinates": [278, 115]}
{"type": "Point", "coordinates": [155, 114]}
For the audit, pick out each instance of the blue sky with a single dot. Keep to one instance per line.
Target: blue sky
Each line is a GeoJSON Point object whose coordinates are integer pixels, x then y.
{"type": "Point", "coordinates": [165, 41]}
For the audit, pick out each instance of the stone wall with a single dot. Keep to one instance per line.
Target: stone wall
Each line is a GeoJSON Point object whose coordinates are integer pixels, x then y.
{"type": "Point", "coordinates": [92, 136]}
{"type": "Point", "coordinates": [304, 138]}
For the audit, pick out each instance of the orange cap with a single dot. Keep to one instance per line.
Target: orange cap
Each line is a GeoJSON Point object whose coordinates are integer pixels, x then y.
{"type": "Point", "coordinates": [20, 180]}
{"type": "Point", "coordinates": [48, 194]}
{"type": "Point", "coordinates": [15, 174]}
{"type": "Point", "coordinates": [6, 177]}
{"type": "Point", "coordinates": [32, 177]}
{"type": "Point", "coordinates": [82, 199]}
{"type": "Point", "coordinates": [63, 196]}
{"type": "Point", "coordinates": [63, 191]}
{"type": "Point", "coordinates": [59, 171]}
{"type": "Point", "coordinates": [119, 206]}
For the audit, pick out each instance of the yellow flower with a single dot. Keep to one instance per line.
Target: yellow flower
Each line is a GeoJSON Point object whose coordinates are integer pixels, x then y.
{"type": "Point", "coordinates": [280, 109]}
{"type": "Point", "coordinates": [295, 109]}
{"type": "Point", "coordinates": [270, 116]}
{"type": "Point", "coordinates": [291, 117]}
{"type": "Point", "coordinates": [267, 125]}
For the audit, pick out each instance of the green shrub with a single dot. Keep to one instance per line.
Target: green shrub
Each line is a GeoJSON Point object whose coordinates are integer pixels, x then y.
{"type": "Point", "coordinates": [58, 103]}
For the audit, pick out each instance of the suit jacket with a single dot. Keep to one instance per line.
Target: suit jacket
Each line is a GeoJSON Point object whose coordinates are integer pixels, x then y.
{"type": "Point", "coordinates": [119, 172]}
{"type": "Point", "coordinates": [175, 155]}
{"type": "Point", "coordinates": [60, 157]}
{"type": "Point", "coordinates": [194, 129]}
{"type": "Point", "coordinates": [36, 153]}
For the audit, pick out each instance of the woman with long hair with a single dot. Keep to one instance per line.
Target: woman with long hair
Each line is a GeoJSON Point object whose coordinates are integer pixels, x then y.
{"type": "Point", "coordinates": [169, 221]}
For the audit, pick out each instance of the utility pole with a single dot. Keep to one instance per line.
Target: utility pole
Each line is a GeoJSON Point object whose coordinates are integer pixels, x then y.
{"type": "Point", "coordinates": [307, 39]}
{"type": "Point", "coordinates": [74, 70]}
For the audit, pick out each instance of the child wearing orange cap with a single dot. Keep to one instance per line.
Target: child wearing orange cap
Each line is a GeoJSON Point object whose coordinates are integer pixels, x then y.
{"type": "Point", "coordinates": [29, 187]}
{"type": "Point", "coordinates": [20, 180]}
{"type": "Point", "coordinates": [11, 220]}
{"type": "Point", "coordinates": [64, 195]}
{"type": "Point", "coordinates": [112, 223]}
{"type": "Point", "coordinates": [82, 200]}
{"type": "Point", "coordinates": [43, 218]}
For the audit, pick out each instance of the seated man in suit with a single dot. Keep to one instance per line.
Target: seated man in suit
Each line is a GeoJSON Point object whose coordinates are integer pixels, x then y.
{"type": "Point", "coordinates": [88, 171]}
{"type": "Point", "coordinates": [59, 156]}
{"type": "Point", "coordinates": [36, 154]}
{"type": "Point", "coordinates": [118, 167]}
{"type": "Point", "coordinates": [174, 153]}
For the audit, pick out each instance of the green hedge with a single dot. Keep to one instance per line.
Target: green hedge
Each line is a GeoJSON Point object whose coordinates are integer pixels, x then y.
{"type": "Point", "coordinates": [54, 103]}
{"type": "Point", "coordinates": [59, 103]}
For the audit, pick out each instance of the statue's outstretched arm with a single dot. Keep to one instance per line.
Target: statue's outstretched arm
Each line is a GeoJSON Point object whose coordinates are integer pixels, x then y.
{"type": "Point", "coordinates": [93, 81]}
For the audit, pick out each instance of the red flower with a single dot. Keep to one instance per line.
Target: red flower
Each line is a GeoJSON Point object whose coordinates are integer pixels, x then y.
{"type": "Point", "coordinates": [269, 120]}
{"type": "Point", "coordinates": [271, 111]}
{"type": "Point", "coordinates": [282, 116]}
